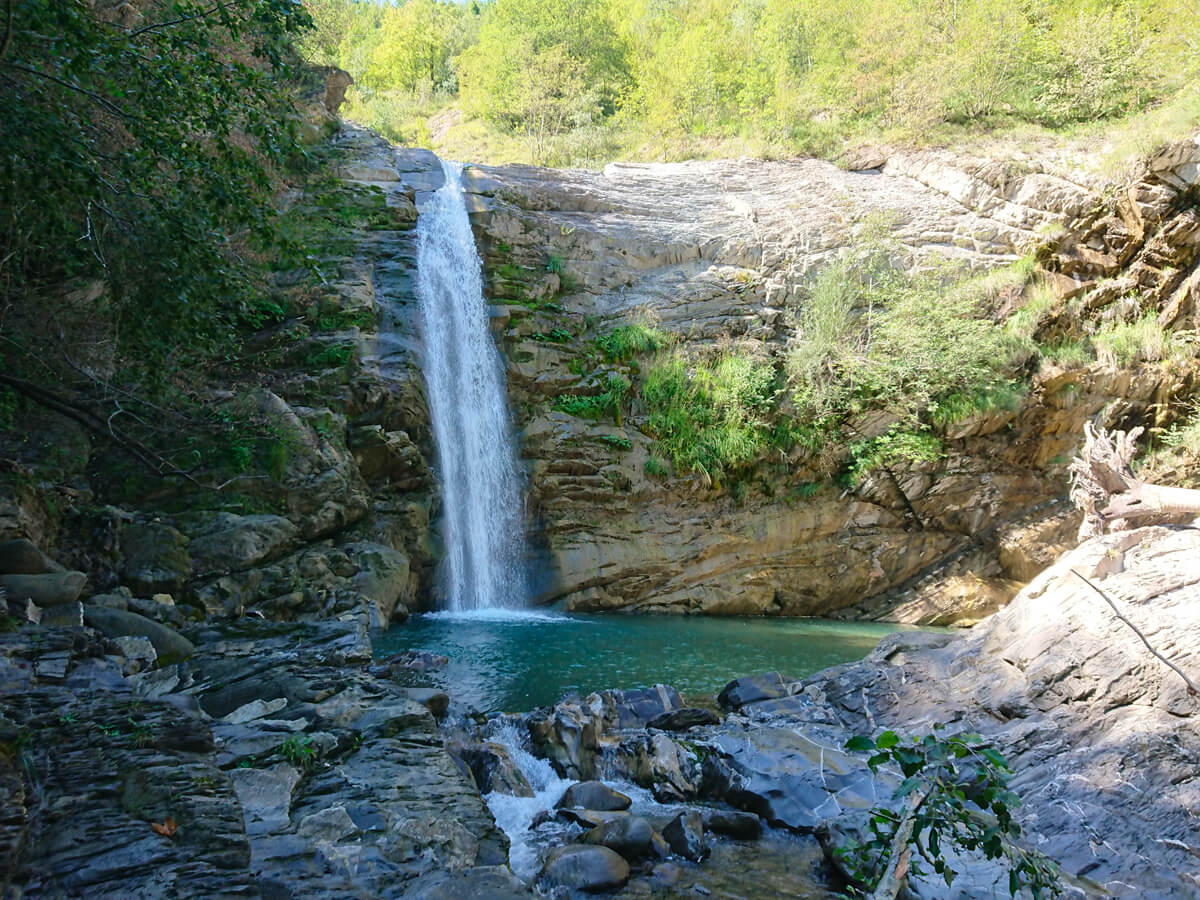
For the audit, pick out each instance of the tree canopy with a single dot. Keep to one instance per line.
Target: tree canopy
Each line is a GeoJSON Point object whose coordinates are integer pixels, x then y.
{"type": "Point", "coordinates": [653, 74]}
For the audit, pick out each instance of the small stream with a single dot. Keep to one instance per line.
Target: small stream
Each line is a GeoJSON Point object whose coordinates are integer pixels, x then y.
{"type": "Point", "coordinates": [516, 660]}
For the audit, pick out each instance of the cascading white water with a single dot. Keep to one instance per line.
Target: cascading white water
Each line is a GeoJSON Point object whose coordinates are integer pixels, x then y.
{"type": "Point", "coordinates": [482, 521]}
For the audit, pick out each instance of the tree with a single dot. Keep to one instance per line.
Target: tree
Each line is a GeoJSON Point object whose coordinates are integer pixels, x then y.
{"type": "Point", "coordinates": [140, 152]}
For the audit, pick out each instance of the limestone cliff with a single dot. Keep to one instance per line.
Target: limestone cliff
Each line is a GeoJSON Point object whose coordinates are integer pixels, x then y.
{"type": "Point", "coordinates": [717, 252]}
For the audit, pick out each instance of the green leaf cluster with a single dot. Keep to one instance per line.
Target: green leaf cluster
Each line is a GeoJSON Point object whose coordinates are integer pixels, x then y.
{"type": "Point", "coordinates": [956, 790]}
{"type": "Point", "coordinates": [142, 151]}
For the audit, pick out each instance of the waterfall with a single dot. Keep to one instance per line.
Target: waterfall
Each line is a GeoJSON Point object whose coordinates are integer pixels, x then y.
{"type": "Point", "coordinates": [482, 521]}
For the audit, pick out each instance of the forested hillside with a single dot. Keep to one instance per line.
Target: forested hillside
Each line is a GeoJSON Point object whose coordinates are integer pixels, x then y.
{"type": "Point", "coordinates": [582, 82]}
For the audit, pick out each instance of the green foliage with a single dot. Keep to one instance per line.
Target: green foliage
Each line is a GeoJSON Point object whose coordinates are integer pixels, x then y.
{"type": "Point", "coordinates": [709, 417]}
{"type": "Point", "coordinates": [554, 336]}
{"type": "Point", "coordinates": [144, 155]}
{"type": "Point", "coordinates": [919, 346]}
{"type": "Point", "coordinates": [956, 791]}
{"type": "Point", "coordinates": [627, 341]}
{"type": "Point", "coordinates": [959, 406]}
{"type": "Point", "coordinates": [8, 408]}
{"type": "Point", "coordinates": [299, 751]}
{"type": "Point", "coordinates": [1185, 436]}
{"type": "Point", "coordinates": [587, 81]}
{"type": "Point", "coordinates": [1128, 343]}
{"type": "Point", "coordinates": [1067, 353]}
{"type": "Point", "coordinates": [330, 356]}
{"type": "Point", "coordinates": [615, 440]}
{"type": "Point", "coordinates": [887, 450]}
{"type": "Point", "coordinates": [600, 405]}
{"type": "Point", "coordinates": [655, 467]}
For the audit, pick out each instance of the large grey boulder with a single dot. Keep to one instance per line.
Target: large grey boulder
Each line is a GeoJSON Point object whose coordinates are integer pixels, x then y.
{"type": "Point", "coordinates": [169, 644]}
{"type": "Point", "coordinates": [631, 836]}
{"type": "Point", "coordinates": [51, 589]}
{"type": "Point", "coordinates": [593, 795]}
{"type": "Point", "coordinates": [685, 836]}
{"type": "Point", "coordinates": [222, 542]}
{"type": "Point", "coordinates": [154, 558]}
{"type": "Point", "coordinates": [584, 868]}
{"type": "Point", "coordinates": [752, 689]}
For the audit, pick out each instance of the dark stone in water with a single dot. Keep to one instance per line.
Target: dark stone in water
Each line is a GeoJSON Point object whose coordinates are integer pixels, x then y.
{"type": "Point", "coordinates": [683, 719]}
{"type": "Point", "coordinates": [479, 883]}
{"type": "Point", "coordinates": [685, 836]}
{"type": "Point", "coordinates": [584, 868]}
{"type": "Point", "coordinates": [417, 660]}
{"type": "Point", "coordinates": [740, 825]}
{"type": "Point", "coordinates": [594, 795]}
{"type": "Point", "coordinates": [631, 836]}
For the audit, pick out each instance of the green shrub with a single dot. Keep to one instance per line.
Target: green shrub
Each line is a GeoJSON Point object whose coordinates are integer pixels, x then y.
{"type": "Point", "coordinates": [959, 406]}
{"type": "Point", "coordinates": [709, 418]}
{"type": "Point", "coordinates": [331, 356]}
{"type": "Point", "coordinates": [609, 402]}
{"type": "Point", "coordinates": [1128, 343]}
{"type": "Point", "coordinates": [956, 795]}
{"type": "Point", "coordinates": [655, 467]}
{"type": "Point", "coordinates": [1068, 354]}
{"type": "Point", "coordinates": [887, 450]}
{"type": "Point", "coordinates": [299, 751]}
{"type": "Point", "coordinates": [614, 440]}
{"type": "Point", "coordinates": [627, 341]}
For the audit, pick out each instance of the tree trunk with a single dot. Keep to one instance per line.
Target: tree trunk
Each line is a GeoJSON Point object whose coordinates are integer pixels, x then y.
{"type": "Point", "coordinates": [1111, 496]}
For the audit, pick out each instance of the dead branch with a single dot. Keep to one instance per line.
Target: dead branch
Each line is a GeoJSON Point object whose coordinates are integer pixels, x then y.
{"type": "Point", "coordinates": [1104, 487]}
{"type": "Point", "coordinates": [1192, 689]}
{"type": "Point", "coordinates": [900, 852]}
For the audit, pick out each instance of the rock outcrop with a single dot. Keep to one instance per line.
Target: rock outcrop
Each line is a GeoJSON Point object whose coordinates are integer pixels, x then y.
{"type": "Point", "coordinates": [717, 252]}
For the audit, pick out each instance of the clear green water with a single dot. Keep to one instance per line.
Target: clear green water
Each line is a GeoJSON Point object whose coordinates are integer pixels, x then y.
{"type": "Point", "coordinates": [515, 661]}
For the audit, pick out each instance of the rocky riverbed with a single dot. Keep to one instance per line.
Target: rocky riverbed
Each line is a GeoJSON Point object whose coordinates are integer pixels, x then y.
{"type": "Point", "coordinates": [279, 760]}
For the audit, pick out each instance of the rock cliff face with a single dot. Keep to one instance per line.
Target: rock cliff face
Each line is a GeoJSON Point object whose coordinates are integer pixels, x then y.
{"type": "Point", "coordinates": [717, 252]}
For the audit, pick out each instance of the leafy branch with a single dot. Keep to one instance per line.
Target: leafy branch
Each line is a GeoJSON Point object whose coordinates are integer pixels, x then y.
{"type": "Point", "coordinates": [955, 794]}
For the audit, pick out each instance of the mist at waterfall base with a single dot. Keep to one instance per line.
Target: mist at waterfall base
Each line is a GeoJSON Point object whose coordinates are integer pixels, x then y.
{"type": "Point", "coordinates": [510, 661]}
{"type": "Point", "coordinates": [482, 515]}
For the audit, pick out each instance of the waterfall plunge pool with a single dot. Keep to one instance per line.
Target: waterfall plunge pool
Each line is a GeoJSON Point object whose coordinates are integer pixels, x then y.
{"type": "Point", "coordinates": [513, 661]}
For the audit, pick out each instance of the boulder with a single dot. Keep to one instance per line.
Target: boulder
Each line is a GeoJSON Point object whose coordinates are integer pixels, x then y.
{"type": "Point", "coordinates": [22, 557]}
{"type": "Point", "coordinates": [740, 825]}
{"type": "Point", "coordinates": [631, 836]}
{"type": "Point", "coordinates": [51, 589]}
{"type": "Point", "coordinates": [437, 702]}
{"type": "Point", "coordinates": [223, 542]}
{"type": "Point", "coordinates": [752, 689]}
{"type": "Point", "coordinates": [479, 883]}
{"type": "Point", "coordinates": [65, 615]}
{"type": "Point", "coordinates": [265, 796]}
{"type": "Point", "coordinates": [593, 795]}
{"type": "Point", "coordinates": [685, 836]}
{"type": "Point", "coordinates": [154, 558]}
{"type": "Point", "coordinates": [584, 868]}
{"type": "Point", "coordinates": [495, 770]}
{"type": "Point", "coordinates": [683, 719]}
{"type": "Point", "coordinates": [169, 644]}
